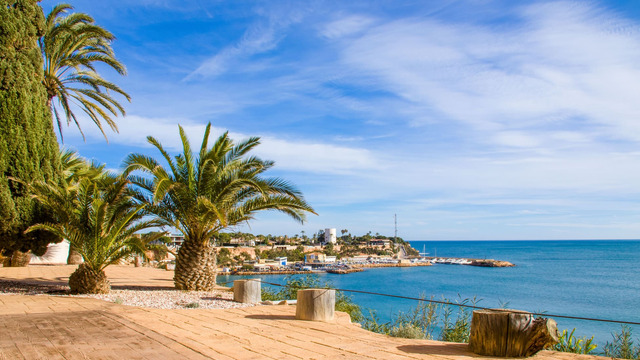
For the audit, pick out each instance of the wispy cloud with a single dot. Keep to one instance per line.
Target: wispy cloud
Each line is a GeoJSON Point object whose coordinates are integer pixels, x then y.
{"type": "Point", "coordinates": [561, 64]}
{"type": "Point", "coordinates": [308, 156]}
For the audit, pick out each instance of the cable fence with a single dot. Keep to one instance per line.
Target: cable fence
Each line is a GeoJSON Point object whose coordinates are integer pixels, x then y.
{"type": "Point", "coordinates": [443, 302]}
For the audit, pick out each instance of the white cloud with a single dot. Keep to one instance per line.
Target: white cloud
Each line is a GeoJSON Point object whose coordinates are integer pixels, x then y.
{"type": "Point", "coordinates": [346, 26]}
{"type": "Point", "coordinates": [565, 64]}
{"type": "Point", "coordinates": [256, 40]}
{"type": "Point", "coordinates": [300, 156]}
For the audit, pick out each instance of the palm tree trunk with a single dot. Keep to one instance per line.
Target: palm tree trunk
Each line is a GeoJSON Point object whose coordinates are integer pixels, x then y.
{"type": "Point", "coordinates": [20, 259]}
{"type": "Point", "coordinates": [86, 280]}
{"type": "Point", "coordinates": [74, 256]}
{"type": "Point", "coordinates": [196, 266]}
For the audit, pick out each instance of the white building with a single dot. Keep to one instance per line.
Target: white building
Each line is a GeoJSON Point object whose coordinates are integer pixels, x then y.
{"type": "Point", "coordinates": [330, 236]}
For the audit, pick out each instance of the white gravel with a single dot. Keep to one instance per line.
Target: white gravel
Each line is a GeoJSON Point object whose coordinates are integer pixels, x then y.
{"type": "Point", "coordinates": [150, 298]}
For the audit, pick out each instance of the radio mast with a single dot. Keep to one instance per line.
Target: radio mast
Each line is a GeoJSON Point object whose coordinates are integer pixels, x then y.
{"type": "Point", "coordinates": [395, 222]}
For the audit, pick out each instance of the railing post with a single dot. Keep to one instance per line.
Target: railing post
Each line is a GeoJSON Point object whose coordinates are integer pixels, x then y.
{"type": "Point", "coordinates": [316, 304]}
{"type": "Point", "coordinates": [247, 291]}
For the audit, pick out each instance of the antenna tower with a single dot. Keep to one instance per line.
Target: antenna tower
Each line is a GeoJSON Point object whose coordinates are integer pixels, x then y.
{"type": "Point", "coordinates": [395, 222]}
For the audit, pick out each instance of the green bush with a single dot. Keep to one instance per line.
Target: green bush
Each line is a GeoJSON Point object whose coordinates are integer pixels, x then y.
{"type": "Point", "coordinates": [407, 331]}
{"type": "Point", "coordinates": [567, 342]}
{"type": "Point", "coordinates": [622, 346]}
{"type": "Point", "coordinates": [456, 329]}
{"type": "Point", "coordinates": [422, 321]}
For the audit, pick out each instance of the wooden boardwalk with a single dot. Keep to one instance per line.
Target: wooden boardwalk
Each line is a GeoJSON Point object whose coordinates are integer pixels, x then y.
{"type": "Point", "coordinates": [63, 327]}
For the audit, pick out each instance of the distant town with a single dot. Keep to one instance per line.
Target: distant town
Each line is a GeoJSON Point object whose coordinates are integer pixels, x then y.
{"type": "Point", "coordinates": [245, 253]}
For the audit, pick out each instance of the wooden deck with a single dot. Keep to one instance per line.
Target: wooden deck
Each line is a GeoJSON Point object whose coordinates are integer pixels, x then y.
{"type": "Point", "coordinates": [63, 327]}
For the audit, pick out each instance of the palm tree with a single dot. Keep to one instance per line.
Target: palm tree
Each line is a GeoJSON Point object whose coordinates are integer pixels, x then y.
{"type": "Point", "coordinates": [201, 194]}
{"type": "Point", "coordinates": [99, 216]}
{"type": "Point", "coordinates": [71, 47]}
{"type": "Point", "coordinates": [73, 168]}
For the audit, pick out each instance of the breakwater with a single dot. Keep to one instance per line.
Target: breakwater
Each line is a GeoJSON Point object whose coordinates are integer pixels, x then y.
{"type": "Point", "coordinates": [469, 261]}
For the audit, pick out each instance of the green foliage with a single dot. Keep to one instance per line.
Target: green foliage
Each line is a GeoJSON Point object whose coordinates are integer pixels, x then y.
{"type": "Point", "coordinates": [292, 255]}
{"type": "Point", "coordinates": [407, 331]}
{"type": "Point", "coordinates": [28, 147]}
{"type": "Point", "coordinates": [202, 193]}
{"type": "Point", "coordinates": [193, 305]}
{"type": "Point", "coordinates": [622, 346]}
{"type": "Point", "coordinates": [456, 329]}
{"type": "Point", "coordinates": [421, 322]}
{"type": "Point", "coordinates": [224, 257]}
{"type": "Point", "coordinates": [346, 304]}
{"type": "Point", "coordinates": [72, 46]}
{"type": "Point", "coordinates": [118, 301]}
{"type": "Point", "coordinates": [567, 342]}
{"type": "Point", "coordinates": [411, 251]}
{"type": "Point", "coordinates": [329, 250]}
{"type": "Point", "coordinates": [94, 210]}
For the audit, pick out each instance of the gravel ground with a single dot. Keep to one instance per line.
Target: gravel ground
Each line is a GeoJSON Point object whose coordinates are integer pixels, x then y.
{"type": "Point", "coordinates": [151, 298]}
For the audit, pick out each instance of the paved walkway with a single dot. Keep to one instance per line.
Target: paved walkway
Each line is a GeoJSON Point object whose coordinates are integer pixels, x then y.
{"type": "Point", "coordinates": [63, 327]}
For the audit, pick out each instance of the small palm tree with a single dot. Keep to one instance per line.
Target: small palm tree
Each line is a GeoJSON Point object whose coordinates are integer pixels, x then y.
{"type": "Point", "coordinates": [97, 213]}
{"type": "Point", "coordinates": [71, 47]}
{"type": "Point", "coordinates": [201, 194]}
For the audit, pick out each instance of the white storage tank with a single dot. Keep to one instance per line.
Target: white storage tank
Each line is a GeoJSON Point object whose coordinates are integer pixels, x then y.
{"type": "Point", "coordinates": [330, 236]}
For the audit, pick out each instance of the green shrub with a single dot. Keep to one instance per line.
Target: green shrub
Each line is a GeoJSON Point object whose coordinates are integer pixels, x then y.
{"type": "Point", "coordinates": [407, 331]}
{"type": "Point", "coordinates": [622, 346]}
{"type": "Point", "coordinates": [569, 343]}
{"type": "Point", "coordinates": [268, 294]}
{"type": "Point", "coordinates": [458, 328]}
{"type": "Point", "coordinates": [373, 324]}
{"type": "Point", "coordinates": [422, 321]}
{"type": "Point", "coordinates": [193, 305]}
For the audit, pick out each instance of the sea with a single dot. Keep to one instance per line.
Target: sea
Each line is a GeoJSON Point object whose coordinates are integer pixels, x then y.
{"type": "Point", "coordinates": [593, 279]}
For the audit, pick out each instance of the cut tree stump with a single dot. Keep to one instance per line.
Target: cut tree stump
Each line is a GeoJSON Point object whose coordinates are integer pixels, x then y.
{"type": "Point", "coordinates": [316, 304]}
{"type": "Point", "coordinates": [247, 291]}
{"type": "Point", "coordinates": [510, 333]}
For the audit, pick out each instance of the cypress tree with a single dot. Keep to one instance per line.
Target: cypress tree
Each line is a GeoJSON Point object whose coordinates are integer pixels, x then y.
{"type": "Point", "coordinates": [28, 146]}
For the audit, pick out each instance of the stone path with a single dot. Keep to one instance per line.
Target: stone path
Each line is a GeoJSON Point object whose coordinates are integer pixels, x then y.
{"type": "Point", "coordinates": [62, 327]}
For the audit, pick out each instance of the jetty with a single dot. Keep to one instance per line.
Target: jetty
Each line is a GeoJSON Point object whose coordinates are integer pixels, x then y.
{"type": "Point", "coordinates": [343, 271]}
{"type": "Point", "coordinates": [468, 261]}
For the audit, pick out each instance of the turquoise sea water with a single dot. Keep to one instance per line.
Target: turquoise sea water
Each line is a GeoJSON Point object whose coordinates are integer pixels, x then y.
{"type": "Point", "coordinates": [598, 279]}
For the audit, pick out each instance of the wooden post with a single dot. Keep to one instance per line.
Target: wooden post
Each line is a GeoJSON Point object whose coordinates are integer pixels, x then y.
{"type": "Point", "coordinates": [247, 291]}
{"type": "Point", "coordinates": [510, 333]}
{"type": "Point", "coordinates": [316, 304]}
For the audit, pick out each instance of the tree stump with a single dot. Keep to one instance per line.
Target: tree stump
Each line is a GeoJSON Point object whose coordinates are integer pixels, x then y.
{"type": "Point", "coordinates": [316, 304]}
{"type": "Point", "coordinates": [247, 291]}
{"type": "Point", "coordinates": [137, 261]}
{"type": "Point", "coordinates": [510, 333]}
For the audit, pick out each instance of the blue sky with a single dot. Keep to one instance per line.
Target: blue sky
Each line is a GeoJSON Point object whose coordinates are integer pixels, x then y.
{"type": "Point", "coordinates": [471, 119]}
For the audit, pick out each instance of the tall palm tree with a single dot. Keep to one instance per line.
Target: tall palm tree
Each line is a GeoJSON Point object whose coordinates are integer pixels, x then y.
{"type": "Point", "coordinates": [201, 194]}
{"type": "Point", "coordinates": [99, 216]}
{"type": "Point", "coordinates": [71, 47]}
